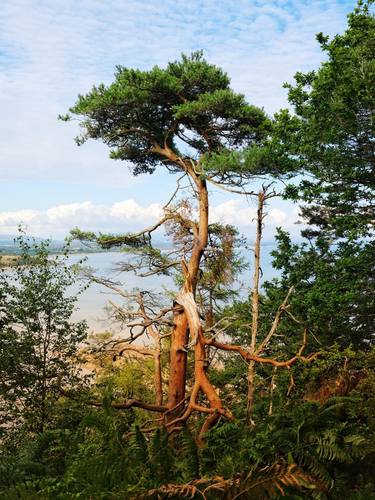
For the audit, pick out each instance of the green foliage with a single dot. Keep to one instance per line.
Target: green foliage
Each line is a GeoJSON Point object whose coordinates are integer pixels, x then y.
{"type": "Point", "coordinates": [331, 136]}
{"type": "Point", "coordinates": [189, 461]}
{"type": "Point", "coordinates": [312, 437]}
{"type": "Point", "coordinates": [127, 380]}
{"type": "Point", "coordinates": [303, 448]}
{"type": "Point", "coordinates": [105, 240]}
{"type": "Point", "coordinates": [334, 287]}
{"type": "Point", "coordinates": [315, 423]}
{"type": "Point", "coordinates": [189, 102]}
{"type": "Point", "coordinates": [160, 457]}
{"type": "Point", "coordinates": [38, 340]}
{"type": "Point", "coordinates": [140, 449]}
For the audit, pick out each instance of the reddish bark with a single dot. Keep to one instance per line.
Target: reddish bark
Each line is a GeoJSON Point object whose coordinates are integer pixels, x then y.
{"type": "Point", "coordinates": [188, 330]}
{"type": "Point", "coordinates": [180, 334]}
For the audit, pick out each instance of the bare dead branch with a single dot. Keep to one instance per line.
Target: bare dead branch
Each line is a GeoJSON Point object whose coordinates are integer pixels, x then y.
{"type": "Point", "coordinates": [130, 403]}
{"type": "Point", "coordinates": [247, 356]}
{"type": "Point", "coordinates": [275, 322]}
{"type": "Point", "coordinates": [176, 190]}
{"type": "Point", "coordinates": [134, 348]}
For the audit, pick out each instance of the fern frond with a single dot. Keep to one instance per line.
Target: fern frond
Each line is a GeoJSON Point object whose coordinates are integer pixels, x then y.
{"type": "Point", "coordinates": [190, 455]}
{"type": "Point", "coordinates": [188, 490]}
{"type": "Point", "coordinates": [328, 448]}
{"type": "Point", "coordinates": [260, 483]}
{"type": "Point", "coordinates": [95, 421]}
{"type": "Point", "coordinates": [316, 470]}
{"type": "Point", "coordinates": [139, 447]}
{"type": "Point", "coordinates": [266, 482]}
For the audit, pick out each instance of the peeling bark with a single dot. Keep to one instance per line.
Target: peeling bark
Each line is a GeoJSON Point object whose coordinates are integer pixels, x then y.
{"type": "Point", "coordinates": [201, 382]}
{"type": "Point", "coordinates": [183, 319]}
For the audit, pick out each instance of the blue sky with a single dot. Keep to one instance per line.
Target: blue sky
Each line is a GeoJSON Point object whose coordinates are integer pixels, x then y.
{"type": "Point", "coordinates": [51, 50]}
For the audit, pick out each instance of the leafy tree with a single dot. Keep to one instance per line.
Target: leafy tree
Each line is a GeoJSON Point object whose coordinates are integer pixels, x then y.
{"type": "Point", "coordinates": [38, 340]}
{"type": "Point", "coordinates": [330, 136]}
{"type": "Point", "coordinates": [334, 287]}
{"type": "Point", "coordinates": [156, 117]}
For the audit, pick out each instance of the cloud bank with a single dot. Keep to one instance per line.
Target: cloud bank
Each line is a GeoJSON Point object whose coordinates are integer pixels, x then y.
{"type": "Point", "coordinates": [51, 50]}
{"type": "Point", "coordinates": [129, 215]}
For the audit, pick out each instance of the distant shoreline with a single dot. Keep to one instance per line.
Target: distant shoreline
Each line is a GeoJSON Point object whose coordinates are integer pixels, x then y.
{"type": "Point", "coordinates": [13, 259]}
{"type": "Point", "coordinates": [9, 260]}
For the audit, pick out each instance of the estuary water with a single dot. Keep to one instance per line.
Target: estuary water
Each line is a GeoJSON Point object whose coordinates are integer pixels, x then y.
{"type": "Point", "coordinates": [91, 303]}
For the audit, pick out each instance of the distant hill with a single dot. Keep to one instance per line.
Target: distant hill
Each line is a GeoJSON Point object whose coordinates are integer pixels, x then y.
{"type": "Point", "coordinates": [9, 247]}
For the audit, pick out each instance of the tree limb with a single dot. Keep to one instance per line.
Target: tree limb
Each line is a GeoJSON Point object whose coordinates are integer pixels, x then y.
{"type": "Point", "coordinates": [247, 356]}
{"type": "Point", "coordinates": [130, 403]}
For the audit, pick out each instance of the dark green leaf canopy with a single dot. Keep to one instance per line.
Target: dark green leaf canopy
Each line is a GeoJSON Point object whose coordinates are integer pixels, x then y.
{"type": "Point", "coordinates": [188, 107]}
{"type": "Point", "coordinates": [331, 137]}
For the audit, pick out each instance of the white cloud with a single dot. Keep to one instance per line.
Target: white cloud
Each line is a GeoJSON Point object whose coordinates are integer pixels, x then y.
{"type": "Point", "coordinates": [128, 215]}
{"type": "Point", "coordinates": [233, 212]}
{"type": "Point", "coordinates": [131, 210]}
{"type": "Point", "coordinates": [51, 50]}
{"type": "Point", "coordinates": [57, 221]}
{"type": "Point", "coordinates": [12, 219]}
{"type": "Point", "coordinates": [243, 216]}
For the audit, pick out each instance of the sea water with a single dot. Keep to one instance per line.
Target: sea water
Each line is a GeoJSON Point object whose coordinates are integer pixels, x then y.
{"type": "Point", "coordinates": [91, 303]}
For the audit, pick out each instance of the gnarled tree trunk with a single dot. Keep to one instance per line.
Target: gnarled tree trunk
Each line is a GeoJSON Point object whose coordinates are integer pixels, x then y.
{"type": "Point", "coordinates": [180, 334]}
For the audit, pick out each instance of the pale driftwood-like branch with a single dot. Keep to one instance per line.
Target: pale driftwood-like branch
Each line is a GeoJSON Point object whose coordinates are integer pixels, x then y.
{"type": "Point", "coordinates": [255, 291]}
{"type": "Point", "coordinates": [272, 389]}
{"type": "Point", "coordinates": [229, 190]}
{"type": "Point", "coordinates": [255, 305]}
{"type": "Point", "coordinates": [275, 322]}
{"type": "Point", "coordinates": [156, 353]}
{"type": "Point", "coordinates": [158, 270]}
{"type": "Point", "coordinates": [139, 318]}
{"type": "Point", "coordinates": [176, 190]}
{"type": "Point", "coordinates": [243, 191]}
{"type": "Point", "coordinates": [291, 316]}
{"type": "Point", "coordinates": [134, 348]}
{"type": "Point", "coordinates": [130, 315]}
{"type": "Point", "coordinates": [108, 284]}
{"type": "Point", "coordinates": [215, 330]}
{"type": "Point", "coordinates": [291, 385]}
{"type": "Point", "coordinates": [131, 403]}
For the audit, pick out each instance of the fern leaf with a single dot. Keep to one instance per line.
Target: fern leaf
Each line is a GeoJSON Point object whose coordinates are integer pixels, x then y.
{"type": "Point", "coordinates": [139, 447]}
{"type": "Point", "coordinates": [190, 456]}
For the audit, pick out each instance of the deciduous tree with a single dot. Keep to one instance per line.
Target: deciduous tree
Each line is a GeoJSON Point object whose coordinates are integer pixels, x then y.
{"type": "Point", "coordinates": [38, 339]}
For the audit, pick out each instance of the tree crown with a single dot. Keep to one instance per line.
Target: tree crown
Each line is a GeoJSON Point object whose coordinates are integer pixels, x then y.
{"type": "Point", "coordinates": [185, 110]}
{"type": "Point", "coordinates": [331, 135]}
